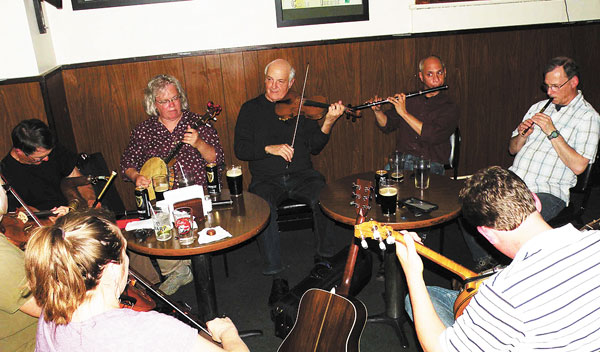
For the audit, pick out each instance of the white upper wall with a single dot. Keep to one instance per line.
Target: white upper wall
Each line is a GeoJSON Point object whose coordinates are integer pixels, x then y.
{"type": "Point", "coordinates": [186, 26]}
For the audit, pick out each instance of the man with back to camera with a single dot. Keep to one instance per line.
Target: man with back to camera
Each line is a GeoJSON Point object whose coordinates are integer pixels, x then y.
{"type": "Point", "coordinates": [280, 171]}
{"type": "Point", "coordinates": [554, 146]}
{"type": "Point", "coordinates": [547, 298]}
{"type": "Point", "coordinates": [425, 123]}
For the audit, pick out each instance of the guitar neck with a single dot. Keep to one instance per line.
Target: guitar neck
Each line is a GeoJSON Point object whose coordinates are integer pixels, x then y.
{"type": "Point", "coordinates": [362, 196]}
{"type": "Point", "coordinates": [594, 225]}
{"type": "Point", "coordinates": [439, 259]}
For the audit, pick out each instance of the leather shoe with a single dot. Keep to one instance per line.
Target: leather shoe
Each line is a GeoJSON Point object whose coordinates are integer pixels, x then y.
{"type": "Point", "coordinates": [319, 259]}
{"type": "Point", "coordinates": [279, 289]}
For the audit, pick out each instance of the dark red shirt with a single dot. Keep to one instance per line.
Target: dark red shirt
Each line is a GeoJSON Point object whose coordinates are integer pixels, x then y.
{"type": "Point", "coordinates": [152, 139]}
{"type": "Point", "coordinates": [440, 118]}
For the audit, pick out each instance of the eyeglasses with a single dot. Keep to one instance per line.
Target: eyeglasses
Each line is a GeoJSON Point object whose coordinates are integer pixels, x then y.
{"type": "Point", "coordinates": [554, 87]}
{"type": "Point", "coordinates": [38, 159]}
{"type": "Point", "coordinates": [167, 101]}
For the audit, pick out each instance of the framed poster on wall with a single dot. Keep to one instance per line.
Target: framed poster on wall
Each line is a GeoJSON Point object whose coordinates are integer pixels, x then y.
{"type": "Point", "coordinates": [95, 4]}
{"type": "Point", "coordinates": [307, 12]}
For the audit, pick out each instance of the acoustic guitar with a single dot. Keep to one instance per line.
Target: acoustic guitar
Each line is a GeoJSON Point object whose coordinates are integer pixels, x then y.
{"type": "Point", "coordinates": [329, 321]}
{"type": "Point", "coordinates": [157, 166]}
{"type": "Point", "coordinates": [386, 235]}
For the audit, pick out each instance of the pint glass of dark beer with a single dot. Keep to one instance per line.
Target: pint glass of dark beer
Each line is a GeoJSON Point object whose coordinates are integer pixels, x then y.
{"type": "Point", "coordinates": [161, 185]}
{"type": "Point", "coordinates": [388, 195]}
{"type": "Point", "coordinates": [235, 181]}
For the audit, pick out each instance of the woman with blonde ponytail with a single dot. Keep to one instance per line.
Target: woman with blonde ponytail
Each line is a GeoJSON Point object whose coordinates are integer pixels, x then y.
{"type": "Point", "coordinates": [76, 270]}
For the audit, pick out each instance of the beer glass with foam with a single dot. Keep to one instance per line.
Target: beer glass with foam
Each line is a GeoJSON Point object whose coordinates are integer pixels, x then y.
{"type": "Point", "coordinates": [234, 180]}
{"type": "Point", "coordinates": [388, 194]}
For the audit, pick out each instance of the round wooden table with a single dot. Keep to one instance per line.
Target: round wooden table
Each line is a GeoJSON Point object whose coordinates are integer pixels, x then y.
{"type": "Point", "coordinates": [243, 219]}
{"type": "Point", "coordinates": [443, 191]}
{"type": "Point", "coordinates": [335, 201]}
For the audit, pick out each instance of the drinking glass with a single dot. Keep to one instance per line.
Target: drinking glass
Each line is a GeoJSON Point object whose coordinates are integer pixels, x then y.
{"type": "Point", "coordinates": [388, 195]}
{"type": "Point", "coordinates": [162, 225]}
{"type": "Point", "coordinates": [184, 220]}
{"type": "Point", "coordinates": [396, 162]}
{"type": "Point", "coordinates": [235, 180]}
{"type": "Point", "coordinates": [422, 169]}
{"type": "Point", "coordinates": [161, 185]}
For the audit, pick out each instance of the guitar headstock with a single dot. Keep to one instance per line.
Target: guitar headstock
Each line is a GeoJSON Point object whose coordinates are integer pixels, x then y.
{"type": "Point", "coordinates": [212, 111]}
{"type": "Point", "coordinates": [374, 230]}
{"type": "Point", "coordinates": [362, 196]}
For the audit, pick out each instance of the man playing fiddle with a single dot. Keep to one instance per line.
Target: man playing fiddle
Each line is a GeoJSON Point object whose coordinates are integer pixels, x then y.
{"type": "Point", "coordinates": [169, 123]}
{"type": "Point", "coordinates": [424, 123]}
{"type": "Point", "coordinates": [280, 170]}
{"type": "Point", "coordinates": [36, 165]}
{"type": "Point", "coordinates": [555, 145]}
{"type": "Point", "coordinates": [546, 299]}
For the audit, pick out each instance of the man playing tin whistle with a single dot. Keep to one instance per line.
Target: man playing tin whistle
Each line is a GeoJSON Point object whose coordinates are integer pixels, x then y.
{"type": "Point", "coordinates": [553, 144]}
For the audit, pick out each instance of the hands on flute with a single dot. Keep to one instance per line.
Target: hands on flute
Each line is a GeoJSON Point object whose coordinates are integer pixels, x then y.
{"type": "Point", "coordinates": [540, 112]}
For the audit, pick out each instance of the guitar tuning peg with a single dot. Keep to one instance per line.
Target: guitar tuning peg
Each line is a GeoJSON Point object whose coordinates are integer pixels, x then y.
{"type": "Point", "coordinates": [364, 244]}
{"type": "Point", "coordinates": [382, 246]}
{"type": "Point", "coordinates": [390, 240]}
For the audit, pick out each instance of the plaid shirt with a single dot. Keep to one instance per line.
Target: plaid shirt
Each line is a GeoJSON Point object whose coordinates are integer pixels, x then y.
{"type": "Point", "coordinates": [538, 164]}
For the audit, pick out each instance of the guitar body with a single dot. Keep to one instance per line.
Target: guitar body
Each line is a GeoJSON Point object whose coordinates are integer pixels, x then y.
{"type": "Point", "coordinates": [465, 295]}
{"type": "Point", "coordinates": [326, 322]}
{"type": "Point", "coordinates": [153, 167]}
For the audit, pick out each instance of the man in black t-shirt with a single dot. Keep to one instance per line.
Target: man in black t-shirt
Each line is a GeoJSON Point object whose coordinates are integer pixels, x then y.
{"type": "Point", "coordinates": [35, 166]}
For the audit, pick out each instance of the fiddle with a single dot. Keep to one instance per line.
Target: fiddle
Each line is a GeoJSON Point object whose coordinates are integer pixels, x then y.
{"type": "Point", "coordinates": [314, 108]}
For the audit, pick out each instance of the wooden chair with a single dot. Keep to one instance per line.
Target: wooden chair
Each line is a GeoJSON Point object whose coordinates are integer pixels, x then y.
{"type": "Point", "coordinates": [294, 215]}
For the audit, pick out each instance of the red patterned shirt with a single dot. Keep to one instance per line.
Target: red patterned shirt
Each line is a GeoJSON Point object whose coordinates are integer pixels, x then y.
{"type": "Point", "coordinates": [152, 139]}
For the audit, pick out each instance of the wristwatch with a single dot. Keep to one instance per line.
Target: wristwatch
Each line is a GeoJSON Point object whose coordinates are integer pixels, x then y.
{"type": "Point", "coordinates": [553, 134]}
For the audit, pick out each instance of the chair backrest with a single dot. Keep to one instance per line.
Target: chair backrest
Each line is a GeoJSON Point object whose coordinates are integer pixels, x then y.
{"type": "Point", "coordinates": [583, 179]}
{"type": "Point", "coordinates": [455, 140]}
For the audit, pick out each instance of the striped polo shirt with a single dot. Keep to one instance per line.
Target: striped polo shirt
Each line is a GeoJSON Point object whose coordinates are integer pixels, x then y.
{"type": "Point", "coordinates": [548, 298]}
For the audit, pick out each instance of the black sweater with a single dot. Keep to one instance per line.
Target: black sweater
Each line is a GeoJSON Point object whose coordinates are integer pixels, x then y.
{"type": "Point", "coordinates": [258, 126]}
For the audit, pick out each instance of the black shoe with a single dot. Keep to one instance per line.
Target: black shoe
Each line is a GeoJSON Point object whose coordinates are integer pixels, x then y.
{"type": "Point", "coordinates": [279, 289]}
{"type": "Point", "coordinates": [319, 259]}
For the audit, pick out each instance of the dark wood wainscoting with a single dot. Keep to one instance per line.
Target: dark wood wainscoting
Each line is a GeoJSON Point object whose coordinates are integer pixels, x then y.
{"type": "Point", "coordinates": [494, 76]}
{"type": "Point", "coordinates": [18, 101]}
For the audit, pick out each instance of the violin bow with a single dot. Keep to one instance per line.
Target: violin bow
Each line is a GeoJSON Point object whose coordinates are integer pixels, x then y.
{"type": "Point", "coordinates": [8, 187]}
{"type": "Point", "coordinates": [299, 110]}
{"type": "Point", "coordinates": [110, 179]}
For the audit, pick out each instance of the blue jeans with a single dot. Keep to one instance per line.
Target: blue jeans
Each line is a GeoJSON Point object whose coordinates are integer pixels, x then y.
{"type": "Point", "coordinates": [551, 205]}
{"type": "Point", "coordinates": [303, 186]}
{"type": "Point", "coordinates": [443, 302]}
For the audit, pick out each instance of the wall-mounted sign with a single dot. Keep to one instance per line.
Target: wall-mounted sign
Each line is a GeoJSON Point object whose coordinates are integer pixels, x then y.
{"type": "Point", "coordinates": [305, 12]}
{"type": "Point", "coordinates": [95, 4]}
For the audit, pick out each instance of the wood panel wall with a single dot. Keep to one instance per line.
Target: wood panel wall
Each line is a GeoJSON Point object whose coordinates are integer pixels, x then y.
{"type": "Point", "coordinates": [494, 76]}
{"type": "Point", "coordinates": [18, 102]}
